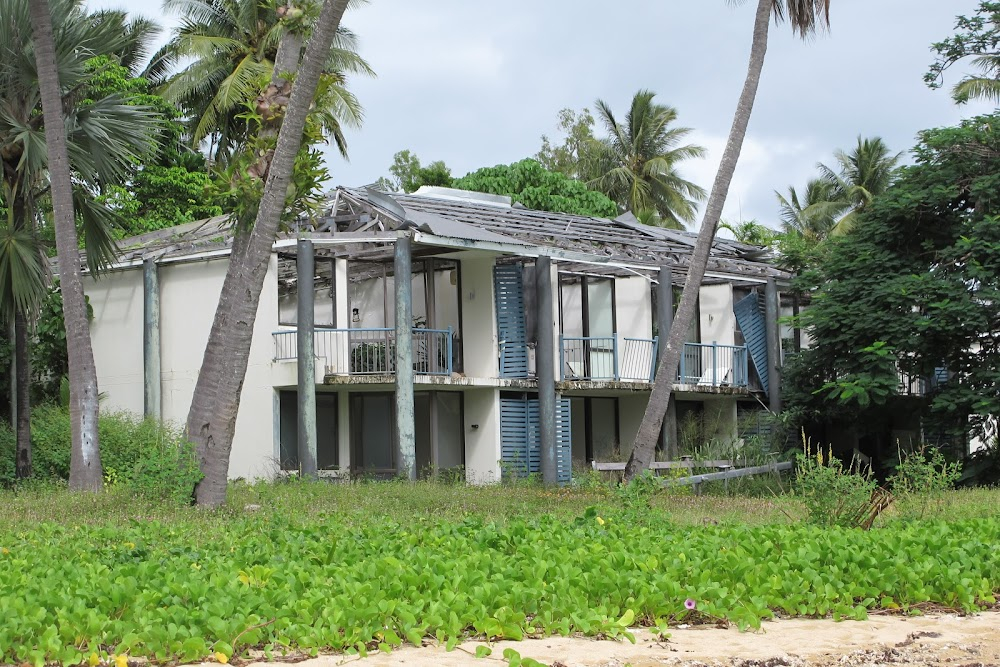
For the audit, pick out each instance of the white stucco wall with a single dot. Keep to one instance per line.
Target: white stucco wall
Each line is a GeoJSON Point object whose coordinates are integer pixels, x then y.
{"type": "Point", "coordinates": [189, 294]}
{"type": "Point", "coordinates": [482, 436]}
{"type": "Point", "coordinates": [479, 322]}
{"type": "Point", "coordinates": [116, 335]}
{"type": "Point", "coordinates": [718, 322]}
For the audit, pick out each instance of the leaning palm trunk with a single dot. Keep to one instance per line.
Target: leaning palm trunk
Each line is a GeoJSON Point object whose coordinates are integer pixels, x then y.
{"type": "Point", "coordinates": [212, 418]}
{"type": "Point", "coordinates": [22, 383]}
{"type": "Point", "coordinates": [659, 399]}
{"type": "Point", "coordinates": [85, 460]}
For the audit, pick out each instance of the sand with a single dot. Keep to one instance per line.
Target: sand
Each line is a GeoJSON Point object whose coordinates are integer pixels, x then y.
{"type": "Point", "coordinates": [941, 640]}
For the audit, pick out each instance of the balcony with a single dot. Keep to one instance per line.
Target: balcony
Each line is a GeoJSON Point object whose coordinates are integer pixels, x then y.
{"type": "Point", "coordinates": [370, 351]}
{"type": "Point", "coordinates": [620, 359]}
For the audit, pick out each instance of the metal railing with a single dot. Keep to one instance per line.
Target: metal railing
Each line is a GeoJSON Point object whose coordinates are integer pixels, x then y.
{"type": "Point", "coordinates": [607, 358]}
{"type": "Point", "coordinates": [370, 351]}
{"type": "Point", "coordinates": [713, 365]}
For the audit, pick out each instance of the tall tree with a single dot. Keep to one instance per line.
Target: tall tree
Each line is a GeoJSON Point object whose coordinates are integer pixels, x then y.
{"type": "Point", "coordinates": [813, 215]}
{"type": "Point", "coordinates": [977, 39]}
{"type": "Point", "coordinates": [636, 164]}
{"type": "Point", "coordinates": [85, 463]}
{"type": "Point", "coordinates": [107, 136]}
{"type": "Point", "coordinates": [409, 175]}
{"type": "Point", "coordinates": [916, 283]}
{"type": "Point", "coordinates": [575, 156]}
{"type": "Point", "coordinates": [229, 49]}
{"type": "Point", "coordinates": [805, 16]}
{"type": "Point", "coordinates": [860, 175]}
{"type": "Point", "coordinates": [215, 404]}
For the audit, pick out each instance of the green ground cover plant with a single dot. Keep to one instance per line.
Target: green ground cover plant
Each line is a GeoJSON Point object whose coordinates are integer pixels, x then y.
{"type": "Point", "coordinates": [366, 567]}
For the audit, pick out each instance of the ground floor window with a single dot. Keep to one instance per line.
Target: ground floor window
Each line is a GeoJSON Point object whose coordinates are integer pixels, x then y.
{"type": "Point", "coordinates": [327, 457]}
{"type": "Point", "coordinates": [439, 431]}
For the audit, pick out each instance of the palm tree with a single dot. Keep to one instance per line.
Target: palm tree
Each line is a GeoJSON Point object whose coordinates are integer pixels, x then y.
{"type": "Point", "coordinates": [232, 46]}
{"type": "Point", "coordinates": [636, 165]}
{"type": "Point", "coordinates": [814, 215]}
{"type": "Point", "coordinates": [106, 137]}
{"type": "Point", "coordinates": [805, 17]}
{"type": "Point", "coordinates": [85, 466]}
{"type": "Point", "coordinates": [215, 404]}
{"type": "Point", "coordinates": [864, 173]}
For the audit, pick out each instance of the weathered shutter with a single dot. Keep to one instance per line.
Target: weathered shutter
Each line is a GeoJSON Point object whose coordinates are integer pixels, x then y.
{"type": "Point", "coordinates": [564, 441]}
{"type": "Point", "coordinates": [751, 320]}
{"type": "Point", "coordinates": [521, 442]}
{"type": "Point", "coordinates": [508, 287]}
{"type": "Point", "coordinates": [514, 436]}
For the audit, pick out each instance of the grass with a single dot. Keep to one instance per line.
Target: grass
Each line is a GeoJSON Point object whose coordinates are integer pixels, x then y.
{"type": "Point", "coordinates": [301, 568]}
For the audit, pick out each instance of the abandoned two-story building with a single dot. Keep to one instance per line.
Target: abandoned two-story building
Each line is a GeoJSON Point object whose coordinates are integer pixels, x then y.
{"type": "Point", "coordinates": [510, 328]}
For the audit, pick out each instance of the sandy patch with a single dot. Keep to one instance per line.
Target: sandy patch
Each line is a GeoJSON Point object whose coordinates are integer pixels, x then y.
{"type": "Point", "coordinates": [940, 640]}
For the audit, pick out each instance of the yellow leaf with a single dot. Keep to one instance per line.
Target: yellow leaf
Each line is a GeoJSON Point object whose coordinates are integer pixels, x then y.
{"type": "Point", "coordinates": [94, 660]}
{"type": "Point", "coordinates": [121, 661]}
{"type": "Point", "coordinates": [221, 657]}
{"type": "Point", "coordinates": [600, 521]}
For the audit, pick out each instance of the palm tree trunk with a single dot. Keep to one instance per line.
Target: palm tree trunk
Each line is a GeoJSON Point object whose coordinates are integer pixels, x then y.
{"type": "Point", "coordinates": [21, 418]}
{"type": "Point", "coordinates": [659, 399]}
{"type": "Point", "coordinates": [85, 462]}
{"type": "Point", "coordinates": [22, 382]}
{"type": "Point", "coordinates": [212, 418]}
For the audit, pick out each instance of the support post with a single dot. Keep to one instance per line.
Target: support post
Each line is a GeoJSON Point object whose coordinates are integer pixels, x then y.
{"type": "Point", "coordinates": [306, 271]}
{"type": "Point", "coordinates": [405, 426]}
{"type": "Point", "coordinates": [771, 313]}
{"type": "Point", "coordinates": [151, 338]}
{"type": "Point", "coordinates": [545, 365]}
{"type": "Point", "coordinates": [433, 353]}
{"type": "Point", "coordinates": [664, 321]}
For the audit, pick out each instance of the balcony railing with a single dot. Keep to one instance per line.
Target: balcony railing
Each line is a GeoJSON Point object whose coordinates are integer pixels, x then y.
{"type": "Point", "coordinates": [634, 360]}
{"type": "Point", "coordinates": [608, 358]}
{"type": "Point", "coordinates": [370, 351]}
{"type": "Point", "coordinates": [713, 365]}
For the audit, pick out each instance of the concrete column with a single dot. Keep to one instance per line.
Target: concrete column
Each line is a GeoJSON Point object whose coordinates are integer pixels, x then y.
{"type": "Point", "coordinates": [771, 312]}
{"type": "Point", "coordinates": [664, 321]}
{"type": "Point", "coordinates": [405, 427]}
{"type": "Point", "coordinates": [151, 338]}
{"type": "Point", "coordinates": [545, 365]}
{"type": "Point", "coordinates": [306, 274]}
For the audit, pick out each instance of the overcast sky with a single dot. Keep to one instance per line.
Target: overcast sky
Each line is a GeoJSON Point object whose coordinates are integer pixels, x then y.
{"type": "Point", "coordinates": [476, 83]}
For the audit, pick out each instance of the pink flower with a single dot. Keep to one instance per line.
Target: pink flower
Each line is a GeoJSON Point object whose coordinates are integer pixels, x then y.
{"type": "Point", "coordinates": [690, 604]}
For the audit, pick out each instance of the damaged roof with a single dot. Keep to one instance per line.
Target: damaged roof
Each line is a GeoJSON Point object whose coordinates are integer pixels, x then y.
{"type": "Point", "coordinates": [358, 212]}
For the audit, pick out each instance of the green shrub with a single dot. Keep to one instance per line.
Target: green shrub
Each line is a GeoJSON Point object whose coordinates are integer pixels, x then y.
{"type": "Point", "coordinates": [832, 495]}
{"type": "Point", "coordinates": [920, 480]}
{"type": "Point", "coordinates": [147, 457]}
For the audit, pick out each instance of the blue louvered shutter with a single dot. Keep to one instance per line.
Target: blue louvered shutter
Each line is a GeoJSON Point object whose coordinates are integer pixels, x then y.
{"type": "Point", "coordinates": [751, 320]}
{"type": "Point", "coordinates": [564, 441]}
{"type": "Point", "coordinates": [508, 287]}
{"type": "Point", "coordinates": [521, 442]}
{"type": "Point", "coordinates": [514, 436]}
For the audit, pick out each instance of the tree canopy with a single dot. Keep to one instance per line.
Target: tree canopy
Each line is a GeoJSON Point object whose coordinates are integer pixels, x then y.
{"type": "Point", "coordinates": [916, 284]}
{"type": "Point", "coordinates": [529, 183]}
{"type": "Point", "coordinates": [977, 39]}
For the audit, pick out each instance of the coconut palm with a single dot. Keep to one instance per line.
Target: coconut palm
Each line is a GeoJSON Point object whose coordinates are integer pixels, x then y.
{"type": "Point", "coordinates": [230, 47]}
{"type": "Point", "coordinates": [814, 215]}
{"type": "Point", "coordinates": [215, 403]}
{"type": "Point", "coordinates": [864, 173]}
{"type": "Point", "coordinates": [636, 164]}
{"type": "Point", "coordinates": [106, 138]}
{"type": "Point", "coordinates": [805, 16]}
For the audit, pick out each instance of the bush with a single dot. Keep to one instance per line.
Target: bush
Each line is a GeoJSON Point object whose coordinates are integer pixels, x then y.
{"type": "Point", "coordinates": [147, 457]}
{"type": "Point", "coordinates": [921, 478]}
{"type": "Point", "coordinates": [832, 495]}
